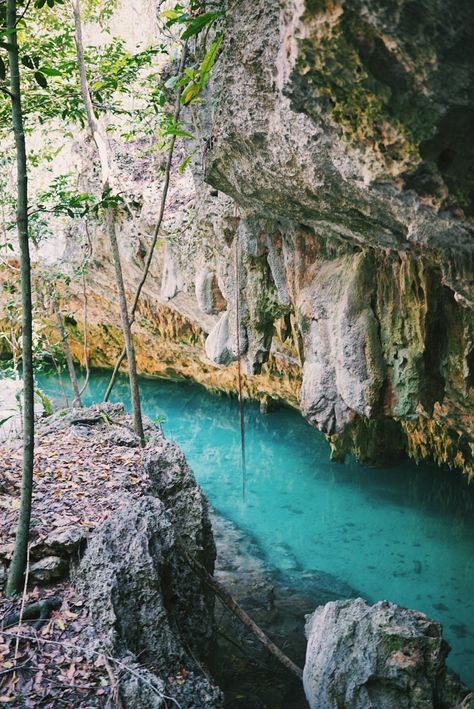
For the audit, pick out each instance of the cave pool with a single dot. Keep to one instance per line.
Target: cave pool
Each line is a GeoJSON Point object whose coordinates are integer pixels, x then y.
{"type": "Point", "coordinates": [403, 533]}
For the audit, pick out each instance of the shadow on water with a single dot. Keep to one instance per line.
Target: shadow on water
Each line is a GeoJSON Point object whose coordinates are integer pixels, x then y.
{"type": "Point", "coordinates": [403, 533]}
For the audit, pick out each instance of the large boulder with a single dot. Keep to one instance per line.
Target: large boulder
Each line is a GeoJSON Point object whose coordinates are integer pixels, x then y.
{"type": "Point", "coordinates": [377, 657]}
{"type": "Point", "coordinates": [173, 482]}
{"type": "Point", "coordinates": [146, 604]}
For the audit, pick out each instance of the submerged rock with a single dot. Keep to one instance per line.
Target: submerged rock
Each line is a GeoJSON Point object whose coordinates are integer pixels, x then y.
{"type": "Point", "coordinates": [377, 657]}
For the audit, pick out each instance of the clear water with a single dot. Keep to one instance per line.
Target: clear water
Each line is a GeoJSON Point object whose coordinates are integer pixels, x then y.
{"type": "Point", "coordinates": [403, 533]}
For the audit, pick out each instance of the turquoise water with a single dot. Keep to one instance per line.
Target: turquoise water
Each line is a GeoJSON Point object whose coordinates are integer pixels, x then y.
{"type": "Point", "coordinates": [403, 533]}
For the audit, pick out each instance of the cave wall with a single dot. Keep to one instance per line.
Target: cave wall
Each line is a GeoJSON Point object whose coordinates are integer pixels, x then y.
{"type": "Point", "coordinates": [342, 132]}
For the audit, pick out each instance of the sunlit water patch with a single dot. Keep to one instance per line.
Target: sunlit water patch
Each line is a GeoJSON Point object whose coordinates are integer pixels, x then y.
{"type": "Point", "coordinates": [403, 533]}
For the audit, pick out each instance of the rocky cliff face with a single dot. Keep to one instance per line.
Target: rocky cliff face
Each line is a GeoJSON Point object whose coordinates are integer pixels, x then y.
{"type": "Point", "coordinates": [339, 137]}
{"type": "Point", "coordinates": [333, 200]}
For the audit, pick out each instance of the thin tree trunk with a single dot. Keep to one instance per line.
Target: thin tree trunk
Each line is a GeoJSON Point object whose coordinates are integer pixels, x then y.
{"type": "Point", "coordinates": [86, 353]}
{"type": "Point", "coordinates": [100, 138]}
{"type": "Point", "coordinates": [127, 330]}
{"type": "Point", "coordinates": [18, 564]}
{"type": "Point", "coordinates": [232, 604]}
{"type": "Point", "coordinates": [58, 371]}
{"type": "Point", "coordinates": [151, 250]}
{"type": "Point", "coordinates": [67, 351]}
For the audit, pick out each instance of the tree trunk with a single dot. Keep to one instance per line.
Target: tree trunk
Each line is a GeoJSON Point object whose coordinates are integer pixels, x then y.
{"type": "Point", "coordinates": [100, 138]}
{"type": "Point", "coordinates": [151, 250]}
{"type": "Point", "coordinates": [17, 567]}
{"type": "Point", "coordinates": [67, 351]}
{"type": "Point", "coordinates": [239, 612]}
{"type": "Point", "coordinates": [84, 329]}
{"type": "Point", "coordinates": [126, 327]}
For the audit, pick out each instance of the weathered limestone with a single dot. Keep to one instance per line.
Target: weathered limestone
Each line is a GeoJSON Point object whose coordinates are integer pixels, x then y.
{"type": "Point", "coordinates": [343, 371]}
{"type": "Point", "coordinates": [145, 602]}
{"type": "Point", "coordinates": [351, 199]}
{"type": "Point", "coordinates": [132, 581]}
{"type": "Point", "coordinates": [48, 569]}
{"type": "Point", "coordinates": [220, 347]}
{"type": "Point", "coordinates": [377, 657]}
{"type": "Point", "coordinates": [208, 294]}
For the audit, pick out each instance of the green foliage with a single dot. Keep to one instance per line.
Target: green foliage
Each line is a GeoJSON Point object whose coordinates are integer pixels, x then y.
{"type": "Point", "coordinates": [50, 3]}
{"type": "Point", "coordinates": [46, 401]}
{"type": "Point", "coordinates": [126, 86]}
{"type": "Point", "coordinates": [7, 418]}
{"type": "Point", "coordinates": [195, 21]}
{"type": "Point", "coordinates": [99, 12]}
{"type": "Point", "coordinates": [195, 80]}
{"type": "Point", "coordinates": [53, 91]}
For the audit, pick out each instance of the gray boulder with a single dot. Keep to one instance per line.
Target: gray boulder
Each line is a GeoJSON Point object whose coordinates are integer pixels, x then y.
{"type": "Point", "coordinates": [173, 482]}
{"type": "Point", "coordinates": [377, 657]}
{"type": "Point", "coordinates": [48, 569]}
{"type": "Point", "coordinates": [146, 605]}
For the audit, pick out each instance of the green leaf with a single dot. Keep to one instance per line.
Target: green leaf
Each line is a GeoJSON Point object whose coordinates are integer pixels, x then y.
{"type": "Point", "coordinates": [171, 14]}
{"type": "Point", "coordinates": [49, 71]}
{"type": "Point", "coordinates": [209, 60]}
{"type": "Point", "coordinates": [2, 421]}
{"type": "Point", "coordinates": [41, 79]}
{"type": "Point", "coordinates": [185, 164]}
{"type": "Point", "coordinates": [190, 92]}
{"type": "Point", "coordinates": [198, 23]}
{"type": "Point", "coordinates": [202, 74]}
{"type": "Point", "coordinates": [178, 132]}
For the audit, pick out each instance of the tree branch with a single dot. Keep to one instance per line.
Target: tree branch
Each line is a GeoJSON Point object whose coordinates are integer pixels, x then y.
{"type": "Point", "coordinates": [164, 195]}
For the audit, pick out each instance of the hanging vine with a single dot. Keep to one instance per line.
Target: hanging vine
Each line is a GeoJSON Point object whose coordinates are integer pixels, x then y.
{"type": "Point", "coordinates": [239, 366]}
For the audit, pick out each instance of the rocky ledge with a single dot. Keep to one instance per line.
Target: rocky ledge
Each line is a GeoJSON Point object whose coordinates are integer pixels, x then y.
{"type": "Point", "coordinates": [106, 518]}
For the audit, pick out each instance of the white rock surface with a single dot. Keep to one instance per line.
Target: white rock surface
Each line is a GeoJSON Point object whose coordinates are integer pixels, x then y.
{"type": "Point", "coordinates": [10, 408]}
{"type": "Point", "coordinates": [377, 657]}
